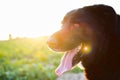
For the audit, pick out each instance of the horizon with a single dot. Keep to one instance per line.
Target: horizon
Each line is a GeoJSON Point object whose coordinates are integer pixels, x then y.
{"type": "Point", "coordinates": [10, 37]}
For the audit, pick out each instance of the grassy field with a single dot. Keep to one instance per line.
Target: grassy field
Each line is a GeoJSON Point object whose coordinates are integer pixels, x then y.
{"type": "Point", "coordinates": [28, 59]}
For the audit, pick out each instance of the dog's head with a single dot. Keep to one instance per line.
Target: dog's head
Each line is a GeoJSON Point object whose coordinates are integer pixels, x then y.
{"type": "Point", "coordinates": [80, 33]}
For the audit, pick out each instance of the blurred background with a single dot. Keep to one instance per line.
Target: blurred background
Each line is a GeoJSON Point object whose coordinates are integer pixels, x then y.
{"type": "Point", "coordinates": [25, 25]}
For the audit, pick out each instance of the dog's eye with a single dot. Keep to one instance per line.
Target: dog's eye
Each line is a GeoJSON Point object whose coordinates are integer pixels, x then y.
{"type": "Point", "coordinates": [76, 25]}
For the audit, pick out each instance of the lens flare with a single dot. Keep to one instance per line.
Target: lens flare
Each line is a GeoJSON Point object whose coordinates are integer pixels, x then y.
{"type": "Point", "coordinates": [86, 49]}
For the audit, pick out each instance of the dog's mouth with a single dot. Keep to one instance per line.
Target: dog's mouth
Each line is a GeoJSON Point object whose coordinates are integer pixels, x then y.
{"type": "Point", "coordinates": [74, 49]}
{"type": "Point", "coordinates": [70, 59]}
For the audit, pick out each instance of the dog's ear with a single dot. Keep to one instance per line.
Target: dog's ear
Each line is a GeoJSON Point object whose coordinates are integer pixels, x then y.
{"type": "Point", "coordinates": [103, 14]}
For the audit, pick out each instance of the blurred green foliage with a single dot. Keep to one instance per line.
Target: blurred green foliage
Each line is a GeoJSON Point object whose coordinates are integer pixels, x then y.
{"type": "Point", "coordinates": [28, 59]}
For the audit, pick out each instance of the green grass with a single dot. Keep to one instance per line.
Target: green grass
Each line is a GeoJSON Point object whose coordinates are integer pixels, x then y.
{"type": "Point", "coordinates": [28, 59]}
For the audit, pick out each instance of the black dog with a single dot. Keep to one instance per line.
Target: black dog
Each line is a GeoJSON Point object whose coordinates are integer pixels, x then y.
{"type": "Point", "coordinates": [91, 35]}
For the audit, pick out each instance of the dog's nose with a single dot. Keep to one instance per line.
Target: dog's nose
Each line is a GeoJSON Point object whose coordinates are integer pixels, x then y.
{"type": "Point", "coordinates": [52, 41]}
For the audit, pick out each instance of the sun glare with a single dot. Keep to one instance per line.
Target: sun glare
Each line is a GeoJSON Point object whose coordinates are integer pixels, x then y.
{"type": "Point", "coordinates": [32, 18]}
{"type": "Point", "coordinates": [21, 19]}
{"type": "Point", "coordinates": [87, 49]}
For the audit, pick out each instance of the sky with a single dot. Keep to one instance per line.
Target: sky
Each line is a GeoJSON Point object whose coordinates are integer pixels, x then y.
{"type": "Point", "coordinates": [34, 18]}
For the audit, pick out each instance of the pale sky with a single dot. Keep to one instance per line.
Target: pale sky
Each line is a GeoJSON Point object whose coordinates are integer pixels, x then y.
{"type": "Point", "coordinates": [34, 18]}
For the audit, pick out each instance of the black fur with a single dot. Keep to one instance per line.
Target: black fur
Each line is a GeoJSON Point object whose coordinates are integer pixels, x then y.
{"type": "Point", "coordinates": [99, 27]}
